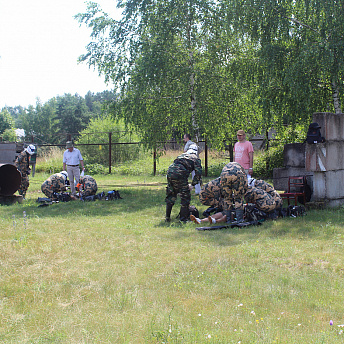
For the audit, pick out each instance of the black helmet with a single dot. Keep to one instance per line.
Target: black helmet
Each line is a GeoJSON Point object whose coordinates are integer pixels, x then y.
{"type": "Point", "coordinates": [314, 126]}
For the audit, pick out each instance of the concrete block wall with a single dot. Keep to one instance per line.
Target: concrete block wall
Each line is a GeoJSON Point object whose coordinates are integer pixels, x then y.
{"type": "Point", "coordinates": [7, 153]}
{"type": "Point", "coordinates": [326, 160]}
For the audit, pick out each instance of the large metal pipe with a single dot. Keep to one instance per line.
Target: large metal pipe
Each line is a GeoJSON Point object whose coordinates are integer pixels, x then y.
{"type": "Point", "coordinates": [10, 179]}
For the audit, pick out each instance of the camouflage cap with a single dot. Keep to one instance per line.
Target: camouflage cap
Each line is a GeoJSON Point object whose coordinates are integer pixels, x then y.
{"type": "Point", "coordinates": [240, 132]}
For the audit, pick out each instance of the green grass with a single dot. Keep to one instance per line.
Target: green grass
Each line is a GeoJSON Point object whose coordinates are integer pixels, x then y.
{"type": "Point", "coordinates": [115, 272]}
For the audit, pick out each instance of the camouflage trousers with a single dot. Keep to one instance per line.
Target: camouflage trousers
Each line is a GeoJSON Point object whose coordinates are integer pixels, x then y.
{"type": "Point", "coordinates": [266, 201]}
{"type": "Point", "coordinates": [211, 194]}
{"type": "Point", "coordinates": [175, 187]}
{"type": "Point", "coordinates": [233, 182]}
{"type": "Point", "coordinates": [24, 185]}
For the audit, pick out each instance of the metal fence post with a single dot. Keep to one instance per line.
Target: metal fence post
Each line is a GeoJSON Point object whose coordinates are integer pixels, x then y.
{"type": "Point", "coordinates": [110, 133]}
{"type": "Point", "coordinates": [154, 161]}
{"type": "Point", "coordinates": [206, 158]}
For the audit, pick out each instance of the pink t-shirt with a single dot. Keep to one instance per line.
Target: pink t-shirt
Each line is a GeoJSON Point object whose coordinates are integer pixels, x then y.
{"type": "Point", "coordinates": [242, 150]}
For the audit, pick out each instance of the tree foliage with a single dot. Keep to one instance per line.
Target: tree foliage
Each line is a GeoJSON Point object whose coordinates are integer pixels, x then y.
{"type": "Point", "coordinates": [6, 121]}
{"type": "Point", "coordinates": [211, 67]}
{"type": "Point", "coordinates": [97, 135]}
{"type": "Point", "coordinates": [175, 67]}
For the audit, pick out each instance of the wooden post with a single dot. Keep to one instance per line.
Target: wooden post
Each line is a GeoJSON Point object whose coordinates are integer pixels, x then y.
{"type": "Point", "coordinates": [110, 133]}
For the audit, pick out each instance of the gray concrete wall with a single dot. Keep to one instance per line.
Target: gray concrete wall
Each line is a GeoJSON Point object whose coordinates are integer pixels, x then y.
{"type": "Point", "coordinates": [326, 160]}
{"type": "Point", "coordinates": [294, 155]}
{"type": "Point", "coordinates": [7, 153]}
{"type": "Point", "coordinates": [332, 125]}
{"type": "Point", "coordinates": [294, 162]}
{"type": "Point", "coordinates": [281, 175]}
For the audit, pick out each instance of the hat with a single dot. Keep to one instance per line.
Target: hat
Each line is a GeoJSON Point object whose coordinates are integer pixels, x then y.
{"type": "Point", "coordinates": [69, 144]}
{"type": "Point", "coordinates": [314, 125]}
{"type": "Point", "coordinates": [240, 132]}
{"type": "Point", "coordinates": [31, 149]}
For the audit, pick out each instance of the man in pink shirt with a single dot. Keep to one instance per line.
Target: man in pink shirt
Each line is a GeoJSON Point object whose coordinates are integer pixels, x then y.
{"type": "Point", "coordinates": [243, 153]}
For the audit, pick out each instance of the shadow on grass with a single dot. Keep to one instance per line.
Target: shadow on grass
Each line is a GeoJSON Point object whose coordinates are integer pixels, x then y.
{"type": "Point", "coordinates": [133, 200]}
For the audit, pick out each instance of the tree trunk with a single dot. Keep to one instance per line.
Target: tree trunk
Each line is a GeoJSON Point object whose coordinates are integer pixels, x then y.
{"type": "Point", "coordinates": [335, 96]}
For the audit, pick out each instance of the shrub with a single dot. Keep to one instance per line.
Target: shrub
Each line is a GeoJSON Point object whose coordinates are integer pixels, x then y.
{"type": "Point", "coordinates": [265, 162]}
{"type": "Point", "coordinates": [97, 132]}
{"type": "Point", "coordinates": [49, 159]}
{"type": "Point", "coordinates": [92, 169]}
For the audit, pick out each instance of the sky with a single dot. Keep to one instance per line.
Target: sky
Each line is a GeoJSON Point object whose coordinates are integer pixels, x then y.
{"type": "Point", "coordinates": [40, 43]}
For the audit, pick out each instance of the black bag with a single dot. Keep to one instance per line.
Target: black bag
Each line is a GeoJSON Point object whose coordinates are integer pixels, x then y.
{"type": "Point", "coordinates": [252, 213]}
{"type": "Point", "coordinates": [89, 198]}
{"type": "Point", "coordinates": [192, 211]}
{"type": "Point", "coordinates": [314, 134]}
{"type": "Point", "coordinates": [296, 210]}
{"type": "Point", "coordinates": [113, 194]}
{"type": "Point", "coordinates": [62, 197]}
{"type": "Point", "coordinates": [308, 193]}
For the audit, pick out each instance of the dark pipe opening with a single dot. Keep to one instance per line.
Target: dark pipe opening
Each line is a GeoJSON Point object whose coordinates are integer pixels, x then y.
{"type": "Point", "coordinates": [10, 179]}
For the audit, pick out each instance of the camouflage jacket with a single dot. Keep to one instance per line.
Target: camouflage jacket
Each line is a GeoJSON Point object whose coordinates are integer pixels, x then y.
{"type": "Point", "coordinates": [55, 183]}
{"type": "Point", "coordinates": [22, 163]}
{"type": "Point", "coordinates": [183, 166]}
{"type": "Point", "coordinates": [88, 184]}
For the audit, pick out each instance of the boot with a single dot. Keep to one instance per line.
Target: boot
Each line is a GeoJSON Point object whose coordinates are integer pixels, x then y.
{"type": "Point", "coordinates": [168, 212]}
{"type": "Point", "coordinates": [239, 214]}
{"type": "Point", "coordinates": [184, 213]}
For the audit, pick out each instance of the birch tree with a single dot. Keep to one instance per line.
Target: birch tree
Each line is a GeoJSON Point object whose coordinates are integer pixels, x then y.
{"type": "Point", "coordinates": [175, 67]}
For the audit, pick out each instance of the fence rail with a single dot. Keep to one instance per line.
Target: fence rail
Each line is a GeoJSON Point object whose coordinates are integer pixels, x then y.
{"type": "Point", "coordinates": [228, 147]}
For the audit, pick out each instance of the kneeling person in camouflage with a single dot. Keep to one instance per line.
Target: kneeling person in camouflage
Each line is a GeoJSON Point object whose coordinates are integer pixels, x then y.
{"type": "Point", "coordinates": [233, 182]}
{"type": "Point", "coordinates": [211, 194]}
{"type": "Point", "coordinates": [263, 195]}
{"type": "Point", "coordinates": [177, 181]}
{"type": "Point", "coordinates": [87, 186]}
{"type": "Point", "coordinates": [54, 184]}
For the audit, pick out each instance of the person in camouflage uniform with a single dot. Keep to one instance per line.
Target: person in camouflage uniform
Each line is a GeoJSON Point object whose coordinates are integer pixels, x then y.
{"type": "Point", "coordinates": [211, 194]}
{"type": "Point", "coordinates": [263, 195]}
{"type": "Point", "coordinates": [233, 182]}
{"type": "Point", "coordinates": [87, 185]}
{"type": "Point", "coordinates": [54, 184]}
{"type": "Point", "coordinates": [22, 165]}
{"type": "Point", "coordinates": [177, 182]}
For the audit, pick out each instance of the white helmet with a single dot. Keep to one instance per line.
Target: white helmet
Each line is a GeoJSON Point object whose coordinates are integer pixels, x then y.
{"type": "Point", "coordinates": [65, 174]}
{"type": "Point", "coordinates": [193, 149]}
{"type": "Point", "coordinates": [31, 149]}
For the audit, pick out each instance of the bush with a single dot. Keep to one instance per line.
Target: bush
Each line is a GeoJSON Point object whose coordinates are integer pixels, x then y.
{"type": "Point", "coordinates": [265, 162]}
{"type": "Point", "coordinates": [49, 160]}
{"type": "Point", "coordinates": [92, 169]}
{"type": "Point", "coordinates": [97, 132]}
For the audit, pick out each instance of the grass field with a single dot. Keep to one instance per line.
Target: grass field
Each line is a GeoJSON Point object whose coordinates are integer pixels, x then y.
{"type": "Point", "coordinates": [115, 272]}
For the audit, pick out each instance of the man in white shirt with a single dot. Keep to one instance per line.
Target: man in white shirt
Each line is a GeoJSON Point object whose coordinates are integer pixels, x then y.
{"type": "Point", "coordinates": [71, 159]}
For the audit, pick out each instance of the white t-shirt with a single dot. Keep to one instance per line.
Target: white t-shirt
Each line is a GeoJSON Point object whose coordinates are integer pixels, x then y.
{"type": "Point", "coordinates": [73, 157]}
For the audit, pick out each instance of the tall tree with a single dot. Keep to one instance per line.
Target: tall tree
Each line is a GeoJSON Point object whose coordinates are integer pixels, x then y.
{"type": "Point", "coordinates": [158, 56]}
{"type": "Point", "coordinates": [6, 120]}
{"type": "Point", "coordinates": [301, 53]}
{"type": "Point", "coordinates": [71, 116]}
